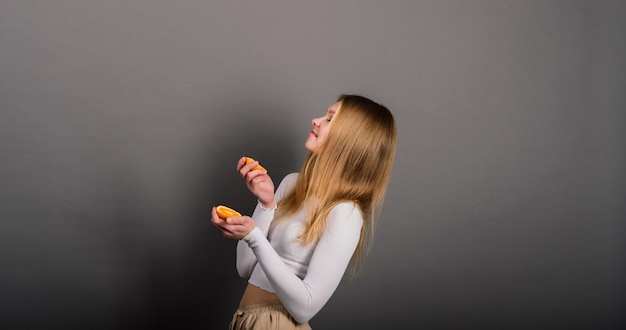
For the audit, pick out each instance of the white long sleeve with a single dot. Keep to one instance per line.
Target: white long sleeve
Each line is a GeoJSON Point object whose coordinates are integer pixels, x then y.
{"type": "Point", "coordinates": [305, 277]}
{"type": "Point", "coordinates": [246, 260]}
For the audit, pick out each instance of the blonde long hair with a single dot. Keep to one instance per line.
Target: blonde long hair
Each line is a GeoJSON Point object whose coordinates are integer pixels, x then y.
{"type": "Point", "coordinates": [353, 164]}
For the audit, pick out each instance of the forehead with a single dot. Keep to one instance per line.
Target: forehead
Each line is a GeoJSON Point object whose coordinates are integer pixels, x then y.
{"type": "Point", "coordinates": [334, 107]}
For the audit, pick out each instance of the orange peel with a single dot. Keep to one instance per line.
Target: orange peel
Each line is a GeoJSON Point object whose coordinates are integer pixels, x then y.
{"type": "Point", "coordinates": [225, 212]}
{"type": "Point", "coordinates": [258, 167]}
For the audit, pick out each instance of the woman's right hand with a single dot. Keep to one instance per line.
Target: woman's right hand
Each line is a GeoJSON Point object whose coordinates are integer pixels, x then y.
{"type": "Point", "coordinates": [258, 182]}
{"type": "Point", "coordinates": [233, 227]}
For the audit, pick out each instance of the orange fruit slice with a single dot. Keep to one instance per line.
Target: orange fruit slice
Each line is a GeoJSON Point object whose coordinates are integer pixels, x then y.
{"type": "Point", "coordinates": [258, 167]}
{"type": "Point", "coordinates": [225, 212]}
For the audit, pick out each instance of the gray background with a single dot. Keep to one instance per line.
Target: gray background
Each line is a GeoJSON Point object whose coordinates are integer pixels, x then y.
{"type": "Point", "coordinates": [121, 123]}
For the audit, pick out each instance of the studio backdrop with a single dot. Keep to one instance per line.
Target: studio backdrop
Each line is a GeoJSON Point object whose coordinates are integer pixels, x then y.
{"type": "Point", "coordinates": [121, 123]}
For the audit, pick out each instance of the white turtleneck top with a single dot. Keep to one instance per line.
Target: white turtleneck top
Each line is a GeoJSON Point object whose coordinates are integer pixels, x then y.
{"type": "Point", "coordinates": [303, 277]}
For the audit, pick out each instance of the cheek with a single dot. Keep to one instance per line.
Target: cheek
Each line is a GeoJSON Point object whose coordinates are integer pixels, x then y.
{"type": "Point", "coordinates": [325, 132]}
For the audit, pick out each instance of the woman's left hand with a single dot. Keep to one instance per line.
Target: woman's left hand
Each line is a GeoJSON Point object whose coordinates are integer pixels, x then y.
{"type": "Point", "coordinates": [258, 182]}
{"type": "Point", "coordinates": [233, 227]}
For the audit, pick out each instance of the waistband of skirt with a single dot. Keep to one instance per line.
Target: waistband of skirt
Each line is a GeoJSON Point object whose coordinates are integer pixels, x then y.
{"type": "Point", "coordinates": [275, 305]}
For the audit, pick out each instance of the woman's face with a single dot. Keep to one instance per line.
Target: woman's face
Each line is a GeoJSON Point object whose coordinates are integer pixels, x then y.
{"type": "Point", "coordinates": [320, 128]}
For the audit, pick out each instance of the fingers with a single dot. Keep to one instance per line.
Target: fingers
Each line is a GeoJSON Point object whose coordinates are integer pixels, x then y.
{"type": "Point", "coordinates": [236, 221]}
{"type": "Point", "coordinates": [228, 230]}
{"type": "Point", "coordinates": [256, 176]}
{"type": "Point", "coordinates": [236, 227]}
{"type": "Point", "coordinates": [216, 220]}
{"type": "Point", "coordinates": [247, 169]}
{"type": "Point", "coordinates": [232, 227]}
{"type": "Point", "coordinates": [223, 223]}
{"type": "Point", "coordinates": [241, 163]}
{"type": "Point", "coordinates": [244, 168]}
{"type": "Point", "coordinates": [255, 179]}
{"type": "Point", "coordinates": [258, 179]}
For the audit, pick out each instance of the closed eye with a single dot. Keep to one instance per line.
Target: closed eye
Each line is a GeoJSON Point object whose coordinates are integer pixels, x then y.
{"type": "Point", "coordinates": [330, 115]}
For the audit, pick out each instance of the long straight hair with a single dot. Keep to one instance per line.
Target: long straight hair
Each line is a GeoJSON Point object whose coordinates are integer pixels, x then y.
{"type": "Point", "coordinates": [353, 164]}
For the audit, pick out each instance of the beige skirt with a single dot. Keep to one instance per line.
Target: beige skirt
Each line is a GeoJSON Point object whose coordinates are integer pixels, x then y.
{"type": "Point", "coordinates": [267, 315]}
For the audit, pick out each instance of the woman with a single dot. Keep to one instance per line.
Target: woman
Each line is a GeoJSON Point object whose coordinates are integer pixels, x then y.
{"type": "Point", "coordinates": [300, 239]}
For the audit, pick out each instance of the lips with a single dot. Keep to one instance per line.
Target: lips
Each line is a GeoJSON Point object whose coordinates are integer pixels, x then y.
{"type": "Point", "coordinates": [313, 133]}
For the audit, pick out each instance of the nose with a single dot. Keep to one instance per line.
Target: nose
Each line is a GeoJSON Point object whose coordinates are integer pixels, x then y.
{"type": "Point", "coordinates": [315, 122]}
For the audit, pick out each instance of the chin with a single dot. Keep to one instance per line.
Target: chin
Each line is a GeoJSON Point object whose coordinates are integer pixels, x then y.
{"type": "Point", "coordinates": [309, 145]}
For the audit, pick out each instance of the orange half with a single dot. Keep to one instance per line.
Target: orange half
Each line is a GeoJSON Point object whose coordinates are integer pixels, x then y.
{"type": "Point", "coordinates": [258, 167]}
{"type": "Point", "coordinates": [225, 212]}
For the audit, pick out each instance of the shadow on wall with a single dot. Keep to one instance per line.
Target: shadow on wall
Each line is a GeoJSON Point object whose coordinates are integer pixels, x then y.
{"type": "Point", "coordinates": [188, 279]}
